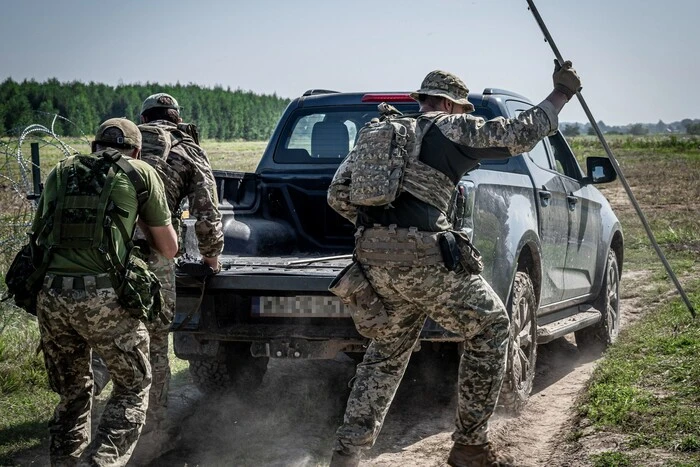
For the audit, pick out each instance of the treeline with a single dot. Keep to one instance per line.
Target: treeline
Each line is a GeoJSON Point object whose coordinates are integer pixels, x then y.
{"type": "Point", "coordinates": [687, 126]}
{"type": "Point", "coordinates": [218, 113]}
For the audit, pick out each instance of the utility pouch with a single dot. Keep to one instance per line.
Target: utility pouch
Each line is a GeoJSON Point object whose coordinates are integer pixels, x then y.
{"type": "Point", "coordinates": [23, 280]}
{"type": "Point", "coordinates": [138, 288]}
{"type": "Point", "coordinates": [366, 308]}
{"type": "Point", "coordinates": [451, 253]}
{"type": "Point", "coordinates": [470, 256]}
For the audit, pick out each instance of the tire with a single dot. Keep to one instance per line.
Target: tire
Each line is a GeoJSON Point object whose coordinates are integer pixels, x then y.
{"type": "Point", "coordinates": [522, 351]}
{"type": "Point", "coordinates": [233, 369]}
{"type": "Point", "coordinates": [603, 333]}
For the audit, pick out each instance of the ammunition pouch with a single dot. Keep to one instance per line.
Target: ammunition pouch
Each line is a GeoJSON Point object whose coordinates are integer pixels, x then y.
{"type": "Point", "coordinates": [138, 288]}
{"type": "Point", "coordinates": [400, 247]}
{"type": "Point", "coordinates": [397, 247]}
{"type": "Point", "coordinates": [366, 308]}
{"type": "Point", "coordinates": [24, 280]}
{"type": "Point", "coordinates": [469, 256]}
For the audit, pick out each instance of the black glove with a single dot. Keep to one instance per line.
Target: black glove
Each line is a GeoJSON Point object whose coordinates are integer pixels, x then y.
{"type": "Point", "coordinates": [565, 79]}
{"type": "Point", "coordinates": [195, 268]}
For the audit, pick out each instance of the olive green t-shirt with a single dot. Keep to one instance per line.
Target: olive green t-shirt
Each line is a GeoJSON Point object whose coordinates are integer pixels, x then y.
{"type": "Point", "coordinates": [154, 212]}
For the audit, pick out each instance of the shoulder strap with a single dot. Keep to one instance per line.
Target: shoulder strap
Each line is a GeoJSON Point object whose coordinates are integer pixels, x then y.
{"type": "Point", "coordinates": [135, 178]}
{"type": "Point", "coordinates": [189, 129]}
{"type": "Point", "coordinates": [438, 191]}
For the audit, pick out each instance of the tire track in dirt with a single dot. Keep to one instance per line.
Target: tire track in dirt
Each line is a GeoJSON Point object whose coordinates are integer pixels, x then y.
{"type": "Point", "coordinates": [291, 419]}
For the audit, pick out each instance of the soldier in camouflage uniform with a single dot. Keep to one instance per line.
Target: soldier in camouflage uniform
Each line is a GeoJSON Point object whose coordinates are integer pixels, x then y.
{"type": "Point", "coordinates": [77, 310]}
{"type": "Point", "coordinates": [187, 175]}
{"type": "Point", "coordinates": [412, 289]}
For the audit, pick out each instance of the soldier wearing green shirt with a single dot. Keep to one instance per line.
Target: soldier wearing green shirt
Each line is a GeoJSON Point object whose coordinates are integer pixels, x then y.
{"type": "Point", "coordinates": [78, 309]}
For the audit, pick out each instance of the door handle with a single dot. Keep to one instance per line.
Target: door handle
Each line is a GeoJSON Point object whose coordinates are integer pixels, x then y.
{"type": "Point", "coordinates": [572, 200]}
{"type": "Point", "coordinates": [545, 197]}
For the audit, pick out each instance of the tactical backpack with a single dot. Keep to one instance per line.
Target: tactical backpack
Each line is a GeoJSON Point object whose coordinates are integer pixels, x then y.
{"type": "Point", "coordinates": [159, 140]}
{"type": "Point", "coordinates": [23, 279]}
{"type": "Point", "coordinates": [380, 157]}
{"type": "Point", "coordinates": [385, 161]}
{"type": "Point", "coordinates": [82, 216]}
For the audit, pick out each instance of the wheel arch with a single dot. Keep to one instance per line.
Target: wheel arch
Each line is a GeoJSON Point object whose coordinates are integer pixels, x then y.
{"type": "Point", "coordinates": [617, 245]}
{"type": "Point", "coordinates": [530, 261]}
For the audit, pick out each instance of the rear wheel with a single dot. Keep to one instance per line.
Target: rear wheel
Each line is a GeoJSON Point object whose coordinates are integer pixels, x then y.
{"type": "Point", "coordinates": [603, 333]}
{"type": "Point", "coordinates": [522, 351]}
{"type": "Point", "coordinates": [234, 368]}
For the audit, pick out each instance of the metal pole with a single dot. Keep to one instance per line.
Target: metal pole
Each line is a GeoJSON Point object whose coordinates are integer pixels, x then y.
{"type": "Point", "coordinates": [36, 170]}
{"type": "Point", "coordinates": [598, 132]}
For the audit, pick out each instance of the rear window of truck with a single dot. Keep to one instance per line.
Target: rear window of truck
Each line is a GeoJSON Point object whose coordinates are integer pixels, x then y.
{"type": "Point", "coordinates": [326, 135]}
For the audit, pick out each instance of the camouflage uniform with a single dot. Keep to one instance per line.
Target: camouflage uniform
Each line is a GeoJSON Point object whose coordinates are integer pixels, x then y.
{"type": "Point", "coordinates": [411, 280]}
{"type": "Point", "coordinates": [71, 323]}
{"type": "Point", "coordinates": [78, 311]}
{"type": "Point", "coordinates": [186, 174]}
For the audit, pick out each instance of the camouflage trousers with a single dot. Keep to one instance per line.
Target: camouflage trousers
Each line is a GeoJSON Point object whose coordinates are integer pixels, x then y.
{"type": "Point", "coordinates": [158, 332]}
{"type": "Point", "coordinates": [462, 303]}
{"type": "Point", "coordinates": [72, 322]}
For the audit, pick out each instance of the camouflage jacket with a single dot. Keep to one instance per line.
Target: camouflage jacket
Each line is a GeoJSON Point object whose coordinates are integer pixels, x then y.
{"type": "Point", "coordinates": [187, 174]}
{"type": "Point", "coordinates": [509, 136]}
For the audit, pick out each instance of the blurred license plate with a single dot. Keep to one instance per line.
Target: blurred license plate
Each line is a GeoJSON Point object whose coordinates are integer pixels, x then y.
{"type": "Point", "coordinates": [300, 306]}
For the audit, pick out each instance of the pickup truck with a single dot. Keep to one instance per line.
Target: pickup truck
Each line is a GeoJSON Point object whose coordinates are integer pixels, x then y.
{"type": "Point", "coordinates": [552, 249]}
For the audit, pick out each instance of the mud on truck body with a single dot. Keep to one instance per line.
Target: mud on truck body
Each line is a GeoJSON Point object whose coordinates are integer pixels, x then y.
{"type": "Point", "coordinates": [552, 249]}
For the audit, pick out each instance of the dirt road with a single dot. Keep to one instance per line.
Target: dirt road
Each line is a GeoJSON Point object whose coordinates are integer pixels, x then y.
{"type": "Point", "coordinates": [290, 420]}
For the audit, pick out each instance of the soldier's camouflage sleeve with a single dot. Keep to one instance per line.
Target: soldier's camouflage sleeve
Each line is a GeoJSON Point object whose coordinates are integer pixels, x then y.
{"type": "Point", "coordinates": [203, 207]}
{"type": "Point", "coordinates": [339, 190]}
{"type": "Point", "coordinates": [517, 135]}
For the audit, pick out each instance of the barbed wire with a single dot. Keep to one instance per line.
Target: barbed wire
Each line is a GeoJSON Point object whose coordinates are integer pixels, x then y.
{"type": "Point", "coordinates": [18, 187]}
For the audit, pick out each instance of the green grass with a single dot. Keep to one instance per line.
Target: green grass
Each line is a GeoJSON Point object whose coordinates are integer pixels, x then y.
{"type": "Point", "coordinates": [26, 401]}
{"type": "Point", "coordinates": [242, 156]}
{"type": "Point", "coordinates": [586, 145]}
{"type": "Point", "coordinates": [648, 385]}
{"type": "Point", "coordinates": [611, 459]}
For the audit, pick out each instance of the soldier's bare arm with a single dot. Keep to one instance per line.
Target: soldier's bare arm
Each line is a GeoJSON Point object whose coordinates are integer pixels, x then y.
{"type": "Point", "coordinates": [164, 239]}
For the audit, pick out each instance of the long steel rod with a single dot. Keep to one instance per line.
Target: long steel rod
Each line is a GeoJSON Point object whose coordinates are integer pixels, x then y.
{"type": "Point", "coordinates": [598, 132]}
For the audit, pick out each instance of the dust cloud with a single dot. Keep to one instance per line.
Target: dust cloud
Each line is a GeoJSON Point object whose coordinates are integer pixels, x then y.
{"type": "Point", "coordinates": [291, 419]}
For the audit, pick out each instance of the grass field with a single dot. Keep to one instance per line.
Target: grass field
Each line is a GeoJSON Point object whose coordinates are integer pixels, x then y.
{"type": "Point", "coordinates": [647, 389]}
{"type": "Point", "coordinates": [26, 402]}
{"type": "Point", "coordinates": [646, 392]}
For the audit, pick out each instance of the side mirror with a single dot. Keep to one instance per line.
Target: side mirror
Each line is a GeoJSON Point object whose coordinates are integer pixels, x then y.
{"type": "Point", "coordinates": [600, 170]}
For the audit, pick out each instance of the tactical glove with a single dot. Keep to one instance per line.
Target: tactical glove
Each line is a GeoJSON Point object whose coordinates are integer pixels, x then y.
{"type": "Point", "coordinates": [196, 269]}
{"type": "Point", "coordinates": [565, 79]}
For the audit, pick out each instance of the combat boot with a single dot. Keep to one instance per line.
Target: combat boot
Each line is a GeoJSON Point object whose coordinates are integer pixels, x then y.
{"type": "Point", "coordinates": [345, 459]}
{"type": "Point", "coordinates": [478, 455]}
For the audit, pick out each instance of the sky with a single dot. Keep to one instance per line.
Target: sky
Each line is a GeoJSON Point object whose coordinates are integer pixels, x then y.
{"type": "Point", "coordinates": [638, 59]}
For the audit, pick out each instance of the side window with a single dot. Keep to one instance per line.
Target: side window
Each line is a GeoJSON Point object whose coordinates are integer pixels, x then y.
{"type": "Point", "coordinates": [538, 154]}
{"type": "Point", "coordinates": [566, 163]}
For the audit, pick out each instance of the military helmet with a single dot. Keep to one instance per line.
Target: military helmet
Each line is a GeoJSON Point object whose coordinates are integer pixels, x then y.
{"type": "Point", "coordinates": [443, 84]}
{"type": "Point", "coordinates": [119, 132]}
{"type": "Point", "coordinates": [159, 100]}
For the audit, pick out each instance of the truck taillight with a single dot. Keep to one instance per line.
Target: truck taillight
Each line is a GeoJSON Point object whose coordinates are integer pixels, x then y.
{"type": "Point", "coordinates": [394, 97]}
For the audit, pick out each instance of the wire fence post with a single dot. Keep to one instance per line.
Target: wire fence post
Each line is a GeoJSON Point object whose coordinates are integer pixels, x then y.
{"type": "Point", "coordinates": [36, 171]}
